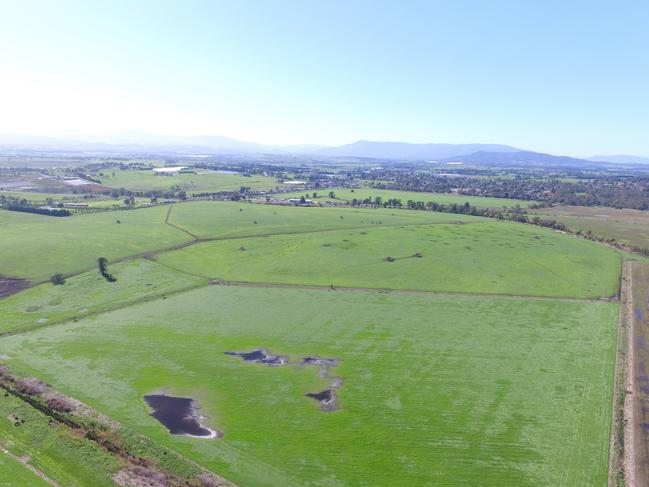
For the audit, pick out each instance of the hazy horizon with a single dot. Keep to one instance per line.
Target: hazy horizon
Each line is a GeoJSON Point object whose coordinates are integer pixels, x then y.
{"type": "Point", "coordinates": [552, 77]}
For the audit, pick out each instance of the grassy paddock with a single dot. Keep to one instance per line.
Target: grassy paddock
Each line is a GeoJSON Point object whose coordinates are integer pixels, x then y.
{"type": "Point", "coordinates": [90, 293]}
{"type": "Point", "coordinates": [15, 473]}
{"type": "Point", "coordinates": [485, 257]}
{"type": "Point", "coordinates": [35, 246]}
{"type": "Point", "coordinates": [146, 180]}
{"type": "Point", "coordinates": [437, 390]}
{"type": "Point", "coordinates": [64, 457]}
{"type": "Point", "coordinates": [630, 227]}
{"type": "Point", "coordinates": [225, 219]}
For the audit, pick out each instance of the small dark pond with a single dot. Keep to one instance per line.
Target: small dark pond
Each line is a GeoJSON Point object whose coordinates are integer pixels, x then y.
{"type": "Point", "coordinates": [260, 356]}
{"type": "Point", "coordinates": [327, 399]}
{"type": "Point", "coordinates": [178, 415]}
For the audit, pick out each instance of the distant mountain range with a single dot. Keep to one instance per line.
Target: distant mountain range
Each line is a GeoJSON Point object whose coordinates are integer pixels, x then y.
{"type": "Point", "coordinates": [144, 142]}
{"type": "Point", "coordinates": [519, 158]}
{"type": "Point", "coordinates": [621, 159]}
{"type": "Point", "coordinates": [403, 150]}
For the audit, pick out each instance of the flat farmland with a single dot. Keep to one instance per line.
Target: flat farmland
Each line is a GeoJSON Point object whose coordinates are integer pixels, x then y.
{"type": "Point", "coordinates": [437, 390]}
{"type": "Point", "coordinates": [483, 256]}
{"type": "Point", "coordinates": [15, 473]}
{"type": "Point", "coordinates": [68, 459]}
{"type": "Point", "coordinates": [443, 383]}
{"type": "Point", "coordinates": [208, 219]}
{"type": "Point", "coordinates": [209, 181]}
{"type": "Point", "coordinates": [34, 247]}
{"type": "Point", "coordinates": [630, 227]}
{"type": "Point", "coordinates": [347, 194]}
{"type": "Point", "coordinates": [89, 293]}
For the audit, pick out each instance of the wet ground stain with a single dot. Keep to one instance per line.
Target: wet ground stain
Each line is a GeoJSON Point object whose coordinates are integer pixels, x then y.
{"type": "Point", "coordinates": [328, 399]}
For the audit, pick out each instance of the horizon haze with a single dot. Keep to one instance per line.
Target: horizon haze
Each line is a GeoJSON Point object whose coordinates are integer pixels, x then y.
{"type": "Point", "coordinates": [560, 78]}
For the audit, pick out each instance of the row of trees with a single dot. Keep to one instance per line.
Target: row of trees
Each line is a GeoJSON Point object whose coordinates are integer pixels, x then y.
{"type": "Point", "coordinates": [514, 214]}
{"type": "Point", "coordinates": [39, 211]}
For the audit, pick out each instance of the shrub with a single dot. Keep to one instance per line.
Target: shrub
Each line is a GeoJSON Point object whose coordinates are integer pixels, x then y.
{"type": "Point", "coordinates": [30, 386]}
{"type": "Point", "coordinates": [57, 279]}
{"type": "Point", "coordinates": [61, 403]}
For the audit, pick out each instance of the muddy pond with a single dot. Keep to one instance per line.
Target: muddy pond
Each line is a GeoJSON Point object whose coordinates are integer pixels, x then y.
{"type": "Point", "coordinates": [178, 415]}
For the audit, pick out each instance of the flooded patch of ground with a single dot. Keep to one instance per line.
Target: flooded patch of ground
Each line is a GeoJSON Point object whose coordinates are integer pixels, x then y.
{"type": "Point", "coordinates": [328, 399]}
{"type": "Point", "coordinates": [329, 362]}
{"type": "Point", "coordinates": [260, 356]}
{"type": "Point", "coordinates": [179, 416]}
{"type": "Point", "coordinates": [11, 286]}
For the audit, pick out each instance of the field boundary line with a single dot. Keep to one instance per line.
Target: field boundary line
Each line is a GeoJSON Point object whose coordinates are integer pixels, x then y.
{"type": "Point", "coordinates": [88, 431]}
{"type": "Point", "coordinates": [326, 230]}
{"type": "Point", "coordinates": [70, 319]}
{"type": "Point", "coordinates": [148, 254]}
{"type": "Point", "coordinates": [617, 450]}
{"type": "Point", "coordinates": [167, 222]}
{"type": "Point", "coordinates": [28, 466]}
{"type": "Point", "coordinates": [413, 292]}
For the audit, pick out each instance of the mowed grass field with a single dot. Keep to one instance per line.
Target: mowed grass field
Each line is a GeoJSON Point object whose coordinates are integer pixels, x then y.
{"type": "Point", "coordinates": [146, 180]}
{"type": "Point", "coordinates": [483, 256]}
{"type": "Point", "coordinates": [347, 194]}
{"type": "Point", "coordinates": [437, 390]}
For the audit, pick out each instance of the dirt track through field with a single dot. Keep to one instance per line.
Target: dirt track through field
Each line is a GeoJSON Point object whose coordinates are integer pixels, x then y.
{"type": "Point", "coordinates": [636, 406]}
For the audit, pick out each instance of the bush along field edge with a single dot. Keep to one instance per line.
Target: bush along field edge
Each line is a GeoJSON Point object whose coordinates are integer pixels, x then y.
{"type": "Point", "coordinates": [141, 461]}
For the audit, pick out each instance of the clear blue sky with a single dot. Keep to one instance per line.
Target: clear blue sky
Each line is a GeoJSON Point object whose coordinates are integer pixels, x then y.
{"type": "Point", "coordinates": [568, 76]}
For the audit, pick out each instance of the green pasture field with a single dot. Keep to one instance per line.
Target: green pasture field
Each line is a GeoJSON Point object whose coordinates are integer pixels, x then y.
{"type": "Point", "coordinates": [485, 256]}
{"type": "Point", "coordinates": [15, 473]}
{"type": "Point", "coordinates": [438, 390]}
{"type": "Point", "coordinates": [37, 197]}
{"type": "Point", "coordinates": [630, 227]}
{"type": "Point", "coordinates": [90, 293]}
{"type": "Point", "coordinates": [35, 246]}
{"type": "Point", "coordinates": [95, 201]}
{"type": "Point", "coordinates": [146, 180]}
{"type": "Point", "coordinates": [64, 457]}
{"type": "Point", "coordinates": [208, 219]}
{"type": "Point", "coordinates": [346, 194]}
